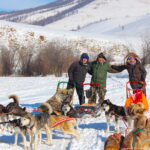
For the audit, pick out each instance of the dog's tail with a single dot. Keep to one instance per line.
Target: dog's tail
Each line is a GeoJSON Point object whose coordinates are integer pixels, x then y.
{"type": "Point", "coordinates": [15, 98]}
{"type": "Point", "coordinates": [50, 110]}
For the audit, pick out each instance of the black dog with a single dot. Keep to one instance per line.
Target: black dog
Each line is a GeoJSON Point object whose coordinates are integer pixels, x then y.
{"type": "Point", "coordinates": [114, 112]}
{"type": "Point", "coordinates": [14, 108]}
{"type": "Point", "coordinates": [79, 111]}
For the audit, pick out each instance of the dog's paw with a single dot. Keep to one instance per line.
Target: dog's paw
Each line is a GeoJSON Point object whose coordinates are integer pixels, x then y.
{"type": "Point", "coordinates": [78, 138]}
{"type": "Point", "coordinates": [15, 144]}
{"type": "Point", "coordinates": [117, 130]}
{"type": "Point", "coordinates": [107, 131]}
{"type": "Point", "coordinates": [27, 148]}
{"type": "Point", "coordinates": [48, 143]}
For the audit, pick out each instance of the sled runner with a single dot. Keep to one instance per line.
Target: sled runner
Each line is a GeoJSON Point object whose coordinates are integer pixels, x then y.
{"type": "Point", "coordinates": [136, 95]}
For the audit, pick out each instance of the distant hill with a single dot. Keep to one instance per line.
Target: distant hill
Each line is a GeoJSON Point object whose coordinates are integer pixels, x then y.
{"type": "Point", "coordinates": [79, 15]}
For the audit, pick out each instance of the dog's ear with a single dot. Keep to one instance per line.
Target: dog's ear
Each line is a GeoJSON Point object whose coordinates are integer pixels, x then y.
{"type": "Point", "coordinates": [108, 101]}
{"type": "Point", "coordinates": [59, 91]}
{"type": "Point", "coordinates": [140, 111]}
{"type": "Point", "coordinates": [140, 105]}
{"type": "Point", "coordinates": [70, 91]}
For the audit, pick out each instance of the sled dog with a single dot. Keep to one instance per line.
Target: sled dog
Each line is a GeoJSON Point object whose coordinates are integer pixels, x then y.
{"type": "Point", "coordinates": [36, 123]}
{"type": "Point", "coordinates": [67, 126]}
{"type": "Point", "coordinates": [56, 101]}
{"type": "Point", "coordinates": [114, 142]}
{"type": "Point", "coordinates": [11, 111]}
{"type": "Point", "coordinates": [115, 112]}
{"type": "Point", "coordinates": [17, 129]}
{"type": "Point", "coordinates": [3, 117]}
{"type": "Point", "coordinates": [141, 119]}
{"type": "Point", "coordinates": [13, 108]}
{"type": "Point", "coordinates": [138, 139]}
{"type": "Point", "coordinates": [83, 111]}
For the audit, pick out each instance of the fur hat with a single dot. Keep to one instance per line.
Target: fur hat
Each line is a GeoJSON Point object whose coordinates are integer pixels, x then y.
{"type": "Point", "coordinates": [132, 55]}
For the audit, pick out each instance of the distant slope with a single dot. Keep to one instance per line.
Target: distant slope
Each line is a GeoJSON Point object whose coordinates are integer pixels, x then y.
{"type": "Point", "coordinates": [110, 27]}
{"type": "Point", "coordinates": [51, 12]}
{"type": "Point", "coordinates": [79, 14]}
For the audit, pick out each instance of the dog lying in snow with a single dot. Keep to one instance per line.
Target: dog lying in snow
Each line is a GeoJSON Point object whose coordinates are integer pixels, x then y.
{"type": "Point", "coordinates": [83, 111]}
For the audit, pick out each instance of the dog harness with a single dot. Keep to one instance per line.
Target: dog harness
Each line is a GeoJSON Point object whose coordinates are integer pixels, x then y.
{"type": "Point", "coordinates": [134, 136]}
{"type": "Point", "coordinates": [134, 139]}
{"type": "Point", "coordinates": [61, 121]}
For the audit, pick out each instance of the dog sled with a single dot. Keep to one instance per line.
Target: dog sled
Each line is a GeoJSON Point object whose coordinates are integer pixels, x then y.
{"type": "Point", "coordinates": [63, 86]}
{"type": "Point", "coordinates": [90, 108]}
{"type": "Point", "coordinates": [136, 95]}
{"type": "Point", "coordinates": [87, 109]}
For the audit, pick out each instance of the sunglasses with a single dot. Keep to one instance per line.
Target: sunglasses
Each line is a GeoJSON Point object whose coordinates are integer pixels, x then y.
{"type": "Point", "coordinates": [129, 58]}
{"type": "Point", "coordinates": [85, 57]}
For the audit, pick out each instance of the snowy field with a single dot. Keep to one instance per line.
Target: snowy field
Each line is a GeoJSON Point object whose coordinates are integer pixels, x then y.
{"type": "Point", "coordinates": [35, 90]}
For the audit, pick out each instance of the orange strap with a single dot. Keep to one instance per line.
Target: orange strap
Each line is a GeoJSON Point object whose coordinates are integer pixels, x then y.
{"type": "Point", "coordinates": [1, 114]}
{"type": "Point", "coordinates": [61, 121]}
{"type": "Point", "coordinates": [111, 147]}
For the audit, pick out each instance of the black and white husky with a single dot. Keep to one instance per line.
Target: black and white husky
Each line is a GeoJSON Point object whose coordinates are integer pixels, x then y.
{"type": "Point", "coordinates": [115, 112]}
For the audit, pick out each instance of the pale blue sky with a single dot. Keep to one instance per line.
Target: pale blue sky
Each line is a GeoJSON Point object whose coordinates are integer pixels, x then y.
{"type": "Point", "coordinates": [21, 4]}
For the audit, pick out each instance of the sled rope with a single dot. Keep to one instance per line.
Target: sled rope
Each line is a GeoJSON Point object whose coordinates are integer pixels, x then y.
{"type": "Point", "coordinates": [1, 114]}
{"type": "Point", "coordinates": [4, 122]}
{"type": "Point", "coordinates": [127, 128]}
{"type": "Point", "coordinates": [61, 121]}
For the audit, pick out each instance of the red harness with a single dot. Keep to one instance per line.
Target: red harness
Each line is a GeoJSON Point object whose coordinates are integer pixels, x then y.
{"type": "Point", "coordinates": [61, 121]}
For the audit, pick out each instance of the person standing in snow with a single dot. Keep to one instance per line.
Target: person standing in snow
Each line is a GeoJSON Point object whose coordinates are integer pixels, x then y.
{"type": "Point", "coordinates": [99, 70]}
{"type": "Point", "coordinates": [77, 73]}
{"type": "Point", "coordinates": [135, 69]}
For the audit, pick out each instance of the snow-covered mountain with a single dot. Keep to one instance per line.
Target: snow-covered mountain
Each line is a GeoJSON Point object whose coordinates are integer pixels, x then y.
{"type": "Point", "coordinates": [84, 25]}
{"type": "Point", "coordinates": [104, 16]}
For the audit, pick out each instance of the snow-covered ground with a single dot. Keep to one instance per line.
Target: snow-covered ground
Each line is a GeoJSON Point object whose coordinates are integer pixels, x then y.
{"type": "Point", "coordinates": [35, 90]}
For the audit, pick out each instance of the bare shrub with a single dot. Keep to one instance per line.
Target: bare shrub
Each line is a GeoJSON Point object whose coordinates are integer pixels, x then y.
{"type": "Point", "coordinates": [7, 62]}
{"type": "Point", "coordinates": [146, 50]}
{"type": "Point", "coordinates": [54, 59]}
{"type": "Point", "coordinates": [25, 60]}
